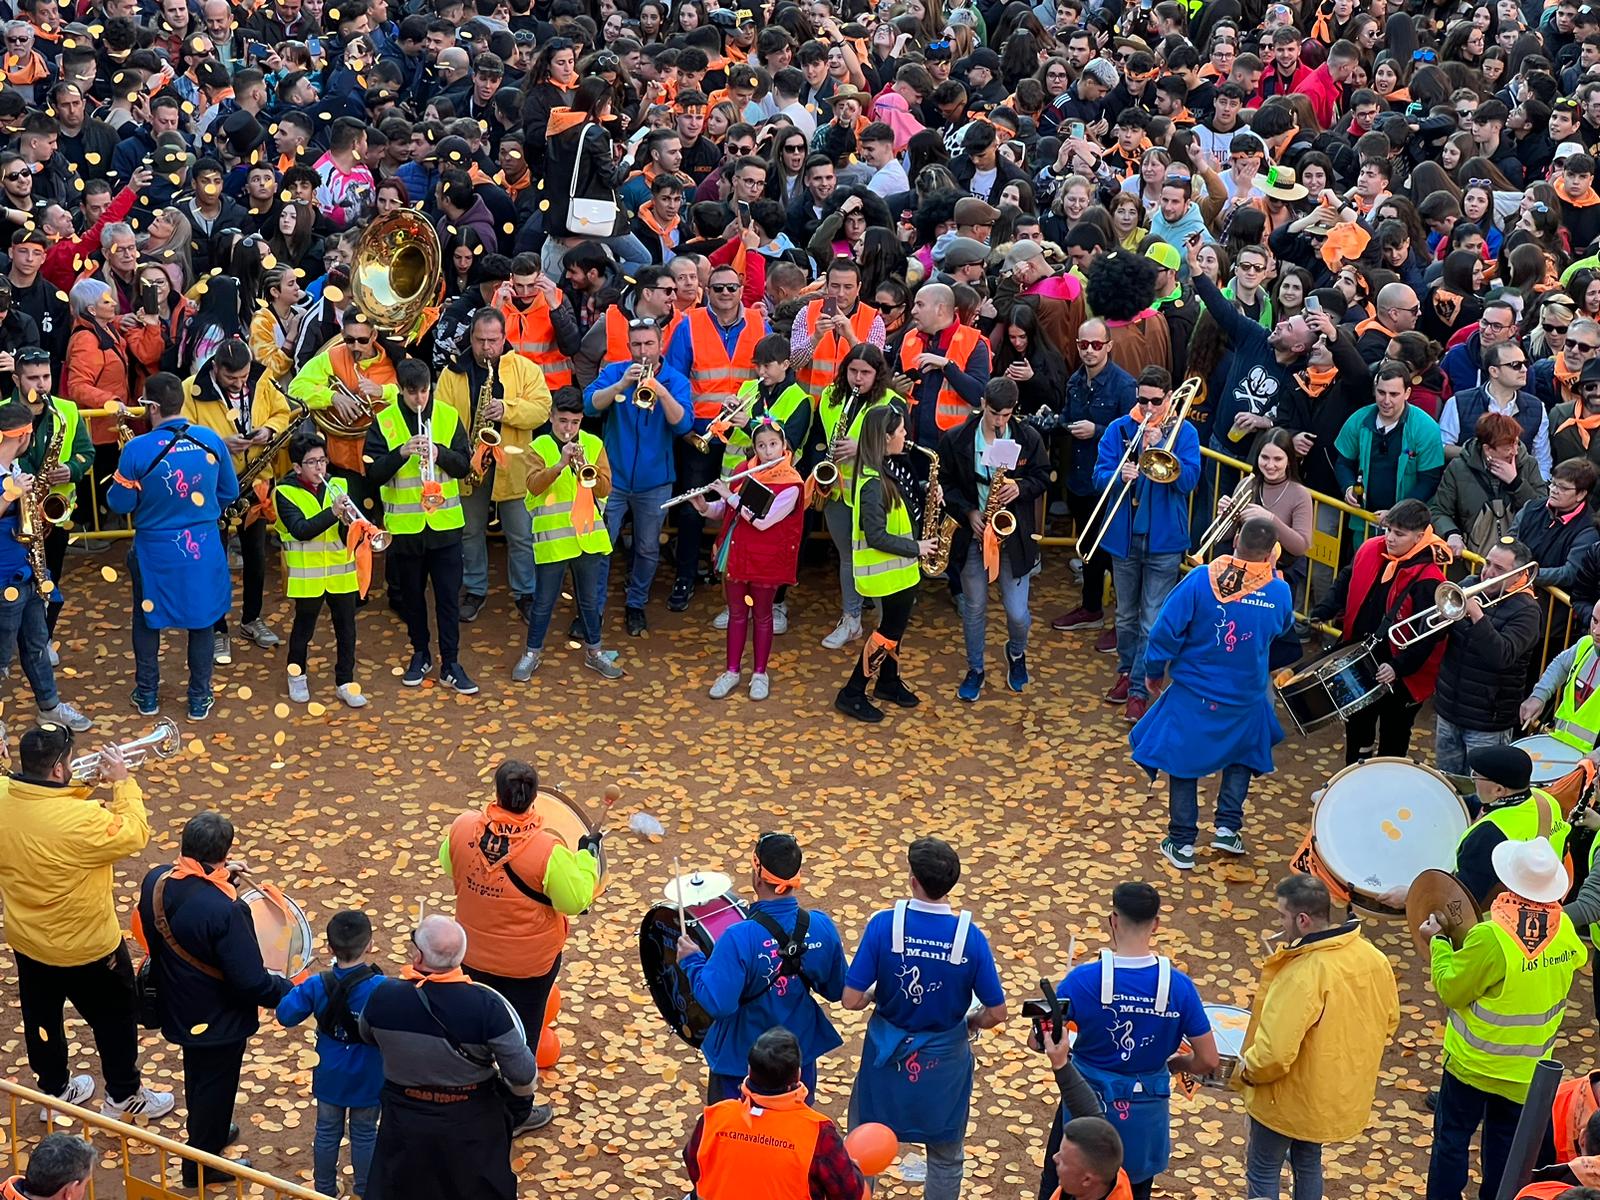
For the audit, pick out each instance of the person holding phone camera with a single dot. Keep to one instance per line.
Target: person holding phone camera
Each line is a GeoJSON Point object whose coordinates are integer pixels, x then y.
{"type": "Point", "coordinates": [923, 966]}
{"type": "Point", "coordinates": [1087, 1159]}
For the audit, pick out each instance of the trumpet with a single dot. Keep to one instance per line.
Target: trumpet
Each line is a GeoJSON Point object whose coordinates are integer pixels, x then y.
{"type": "Point", "coordinates": [163, 741]}
{"type": "Point", "coordinates": [1247, 493]}
{"type": "Point", "coordinates": [432, 493]}
{"type": "Point", "coordinates": [1450, 605]}
{"type": "Point", "coordinates": [722, 424]}
{"type": "Point", "coordinates": [380, 539]}
{"type": "Point", "coordinates": [588, 474]}
{"type": "Point", "coordinates": [644, 392]}
{"type": "Point", "coordinates": [1158, 463]}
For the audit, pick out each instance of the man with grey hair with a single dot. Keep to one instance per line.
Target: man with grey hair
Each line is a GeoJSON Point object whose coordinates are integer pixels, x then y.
{"type": "Point", "coordinates": [1084, 101]}
{"type": "Point", "coordinates": [58, 1169]}
{"type": "Point", "coordinates": [1396, 312]}
{"type": "Point", "coordinates": [458, 1076]}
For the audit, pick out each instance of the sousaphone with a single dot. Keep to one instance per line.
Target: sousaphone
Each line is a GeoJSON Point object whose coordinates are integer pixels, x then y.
{"type": "Point", "coordinates": [396, 276]}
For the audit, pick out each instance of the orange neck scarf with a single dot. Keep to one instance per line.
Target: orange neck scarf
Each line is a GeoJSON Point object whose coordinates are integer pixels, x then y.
{"type": "Point", "coordinates": [1583, 201]}
{"type": "Point", "coordinates": [653, 221]}
{"type": "Point", "coordinates": [1235, 578]}
{"type": "Point", "coordinates": [1314, 381]}
{"type": "Point", "coordinates": [1579, 419]}
{"type": "Point", "coordinates": [1373, 323]}
{"type": "Point", "coordinates": [1431, 543]}
{"type": "Point", "coordinates": [783, 1102]}
{"type": "Point", "coordinates": [188, 868]}
{"type": "Point", "coordinates": [1532, 925]}
{"type": "Point", "coordinates": [1446, 304]}
{"type": "Point", "coordinates": [454, 975]}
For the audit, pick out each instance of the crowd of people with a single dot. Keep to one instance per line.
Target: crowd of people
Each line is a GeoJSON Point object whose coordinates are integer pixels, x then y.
{"type": "Point", "coordinates": [680, 284]}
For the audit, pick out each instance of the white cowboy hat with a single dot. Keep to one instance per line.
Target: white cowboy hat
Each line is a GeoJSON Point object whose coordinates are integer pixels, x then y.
{"type": "Point", "coordinates": [1531, 870]}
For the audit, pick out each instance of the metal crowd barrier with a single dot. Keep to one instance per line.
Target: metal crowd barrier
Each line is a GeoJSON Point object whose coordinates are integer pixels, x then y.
{"type": "Point", "coordinates": [1328, 549]}
{"type": "Point", "coordinates": [148, 1162]}
{"type": "Point", "coordinates": [94, 530]}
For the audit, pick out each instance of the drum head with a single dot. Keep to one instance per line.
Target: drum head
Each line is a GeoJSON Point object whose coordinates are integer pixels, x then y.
{"type": "Point", "coordinates": [565, 818]}
{"type": "Point", "coordinates": [1228, 1026]}
{"type": "Point", "coordinates": [1381, 823]}
{"type": "Point", "coordinates": [1334, 687]}
{"type": "Point", "coordinates": [1441, 892]}
{"type": "Point", "coordinates": [1552, 758]}
{"type": "Point", "coordinates": [669, 987]}
{"type": "Point", "coordinates": [696, 888]}
{"type": "Point", "coordinates": [282, 930]}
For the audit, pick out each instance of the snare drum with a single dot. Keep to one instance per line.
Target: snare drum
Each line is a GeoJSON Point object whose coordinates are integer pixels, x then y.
{"type": "Point", "coordinates": [1228, 1026]}
{"type": "Point", "coordinates": [1552, 758]}
{"type": "Point", "coordinates": [565, 817]}
{"type": "Point", "coordinates": [1334, 688]}
{"type": "Point", "coordinates": [282, 930]}
{"type": "Point", "coordinates": [705, 921]}
{"type": "Point", "coordinates": [1381, 823]}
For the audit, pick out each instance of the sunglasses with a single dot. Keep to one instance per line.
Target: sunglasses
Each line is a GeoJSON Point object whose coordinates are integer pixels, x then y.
{"type": "Point", "coordinates": [1583, 347]}
{"type": "Point", "coordinates": [13, 176]}
{"type": "Point", "coordinates": [726, 288]}
{"type": "Point", "coordinates": [1555, 329]}
{"type": "Point", "coordinates": [1424, 56]}
{"type": "Point", "coordinates": [1479, 183]}
{"type": "Point", "coordinates": [1520, 365]}
{"type": "Point", "coordinates": [1092, 344]}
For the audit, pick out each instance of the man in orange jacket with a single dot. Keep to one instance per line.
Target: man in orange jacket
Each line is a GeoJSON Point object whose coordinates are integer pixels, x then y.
{"type": "Point", "coordinates": [1089, 1162]}
{"type": "Point", "coordinates": [771, 1134]}
{"type": "Point", "coordinates": [58, 1169]}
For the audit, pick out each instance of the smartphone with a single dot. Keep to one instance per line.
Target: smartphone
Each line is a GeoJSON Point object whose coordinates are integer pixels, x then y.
{"type": "Point", "coordinates": [1075, 129]}
{"type": "Point", "coordinates": [1313, 304]}
{"type": "Point", "coordinates": [258, 49]}
{"type": "Point", "coordinates": [314, 46]}
{"type": "Point", "coordinates": [148, 302]}
{"type": "Point", "coordinates": [830, 307]}
{"type": "Point", "coordinates": [744, 213]}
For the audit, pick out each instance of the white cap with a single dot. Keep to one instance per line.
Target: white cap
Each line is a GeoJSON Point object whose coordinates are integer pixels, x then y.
{"type": "Point", "coordinates": [1567, 150]}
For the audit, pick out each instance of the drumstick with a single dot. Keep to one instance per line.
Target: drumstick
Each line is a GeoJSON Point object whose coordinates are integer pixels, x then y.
{"type": "Point", "coordinates": [678, 879]}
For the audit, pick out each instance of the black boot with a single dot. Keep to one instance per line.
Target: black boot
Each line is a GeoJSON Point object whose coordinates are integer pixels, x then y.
{"type": "Point", "coordinates": [855, 704]}
{"type": "Point", "coordinates": [892, 688]}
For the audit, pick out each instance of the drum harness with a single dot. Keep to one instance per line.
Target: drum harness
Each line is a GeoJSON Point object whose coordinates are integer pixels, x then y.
{"type": "Point", "coordinates": [791, 953]}
{"type": "Point", "coordinates": [958, 944]}
{"type": "Point", "coordinates": [517, 881]}
{"type": "Point", "coordinates": [1108, 971]}
{"type": "Point", "coordinates": [336, 1020]}
{"type": "Point", "coordinates": [159, 910]}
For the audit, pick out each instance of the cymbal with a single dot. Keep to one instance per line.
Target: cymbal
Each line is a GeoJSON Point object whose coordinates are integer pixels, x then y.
{"type": "Point", "coordinates": [696, 887]}
{"type": "Point", "coordinates": [1441, 892]}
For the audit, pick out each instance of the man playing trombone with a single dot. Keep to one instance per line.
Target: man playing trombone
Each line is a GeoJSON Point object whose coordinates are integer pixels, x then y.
{"type": "Point", "coordinates": [1149, 463]}
{"type": "Point", "coordinates": [993, 540]}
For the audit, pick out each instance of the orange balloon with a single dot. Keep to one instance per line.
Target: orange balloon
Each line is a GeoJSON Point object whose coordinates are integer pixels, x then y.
{"type": "Point", "coordinates": [873, 1147]}
{"type": "Point", "coordinates": [552, 1006]}
{"type": "Point", "coordinates": [549, 1047]}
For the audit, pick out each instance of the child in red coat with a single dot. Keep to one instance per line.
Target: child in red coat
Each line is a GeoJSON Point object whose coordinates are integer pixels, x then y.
{"type": "Point", "coordinates": [757, 554]}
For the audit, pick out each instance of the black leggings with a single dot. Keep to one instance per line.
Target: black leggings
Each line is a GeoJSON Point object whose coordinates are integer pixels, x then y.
{"type": "Point", "coordinates": [1097, 566]}
{"type": "Point", "coordinates": [894, 614]}
{"type": "Point", "coordinates": [342, 606]}
{"type": "Point", "coordinates": [1386, 723]}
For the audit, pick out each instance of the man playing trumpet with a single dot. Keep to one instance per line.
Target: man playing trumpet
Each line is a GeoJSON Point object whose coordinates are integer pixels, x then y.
{"type": "Point", "coordinates": [993, 542]}
{"type": "Point", "coordinates": [319, 566]}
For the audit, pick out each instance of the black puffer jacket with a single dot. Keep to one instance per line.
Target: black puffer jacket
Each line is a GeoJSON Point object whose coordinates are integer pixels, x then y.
{"type": "Point", "coordinates": [1557, 544]}
{"type": "Point", "coordinates": [1483, 676]}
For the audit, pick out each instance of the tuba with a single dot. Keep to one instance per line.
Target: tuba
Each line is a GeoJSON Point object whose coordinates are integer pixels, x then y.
{"type": "Point", "coordinates": [396, 274]}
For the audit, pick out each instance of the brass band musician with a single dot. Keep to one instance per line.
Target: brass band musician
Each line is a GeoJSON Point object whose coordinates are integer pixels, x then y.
{"type": "Point", "coordinates": [352, 381]}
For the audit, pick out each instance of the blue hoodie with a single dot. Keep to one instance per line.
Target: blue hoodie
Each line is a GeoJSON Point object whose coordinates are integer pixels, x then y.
{"type": "Point", "coordinates": [638, 440]}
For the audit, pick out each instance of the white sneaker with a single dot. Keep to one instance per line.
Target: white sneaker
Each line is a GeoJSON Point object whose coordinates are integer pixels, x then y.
{"type": "Point", "coordinates": [146, 1103]}
{"type": "Point", "coordinates": [780, 618]}
{"type": "Point", "coordinates": [720, 621]}
{"type": "Point", "coordinates": [64, 714]}
{"type": "Point", "coordinates": [847, 630]}
{"type": "Point", "coordinates": [79, 1089]}
{"type": "Point", "coordinates": [725, 684]}
{"type": "Point", "coordinates": [759, 686]}
{"type": "Point", "coordinates": [53, 655]}
{"type": "Point", "coordinates": [299, 689]}
{"type": "Point", "coordinates": [351, 695]}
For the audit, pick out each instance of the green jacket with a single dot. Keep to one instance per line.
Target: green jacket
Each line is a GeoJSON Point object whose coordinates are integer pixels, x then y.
{"type": "Point", "coordinates": [1421, 455]}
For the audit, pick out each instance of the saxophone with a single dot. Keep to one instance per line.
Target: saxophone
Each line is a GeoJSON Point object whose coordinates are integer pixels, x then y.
{"type": "Point", "coordinates": [1000, 519]}
{"type": "Point", "coordinates": [938, 526]}
{"type": "Point", "coordinates": [233, 517]}
{"type": "Point", "coordinates": [483, 436]}
{"type": "Point", "coordinates": [41, 510]}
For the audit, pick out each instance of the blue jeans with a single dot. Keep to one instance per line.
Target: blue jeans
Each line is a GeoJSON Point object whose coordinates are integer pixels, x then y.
{"type": "Point", "coordinates": [1452, 744]}
{"type": "Point", "coordinates": [1456, 1117]}
{"type": "Point", "coordinates": [975, 606]}
{"type": "Point", "coordinates": [22, 622]}
{"type": "Point", "coordinates": [517, 523]}
{"type": "Point", "coordinates": [947, 1163]}
{"type": "Point", "coordinates": [1183, 808]}
{"type": "Point", "coordinates": [1143, 582]}
{"type": "Point", "coordinates": [1265, 1150]}
{"type": "Point", "coordinates": [588, 583]}
{"type": "Point", "coordinates": [325, 1145]}
{"type": "Point", "coordinates": [836, 514]}
{"type": "Point", "coordinates": [147, 648]}
{"type": "Point", "coordinates": [628, 250]}
{"type": "Point", "coordinates": [647, 522]}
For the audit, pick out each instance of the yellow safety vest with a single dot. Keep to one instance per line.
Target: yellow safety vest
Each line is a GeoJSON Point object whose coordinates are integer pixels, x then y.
{"type": "Point", "coordinates": [321, 565]}
{"type": "Point", "coordinates": [1578, 727]}
{"type": "Point", "coordinates": [554, 537]}
{"type": "Point", "coordinates": [877, 573]}
{"type": "Point", "coordinates": [70, 419]}
{"type": "Point", "coordinates": [829, 412]}
{"type": "Point", "coordinates": [402, 496]}
{"type": "Point", "coordinates": [1520, 822]}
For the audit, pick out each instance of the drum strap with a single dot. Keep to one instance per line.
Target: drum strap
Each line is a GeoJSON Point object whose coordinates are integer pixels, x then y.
{"type": "Point", "coordinates": [791, 952]}
{"type": "Point", "coordinates": [526, 888]}
{"type": "Point", "coordinates": [159, 909]}
{"type": "Point", "coordinates": [336, 1020]}
{"type": "Point", "coordinates": [1108, 973]}
{"type": "Point", "coordinates": [476, 1060]}
{"type": "Point", "coordinates": [958, 945]}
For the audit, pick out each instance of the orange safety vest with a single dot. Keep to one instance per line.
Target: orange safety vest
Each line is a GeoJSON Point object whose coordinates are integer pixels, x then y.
{"type": "Point", "coordinates": [1574, 1105]}
{"type": "Point", "coordinates": [1544, 1191]}
{"type": "Point", "coordinates": [827, 350]}
{"type": "Point", "coordinates": [530, 333]}
{"type": "Point", "coordinates": [714, 375]}
{"type": "Point", "coordinates": [617, 336]}
{"type": "Point", "coordinates": [508, 932]}
{"type": "Point", "coordinates": [346, 451]}
{"type": "Point", "coordinates": [764, 1154]}
{"type": "Point", "coordinates": [1123, 1190]}
{"type": "Point", "coordinates": [951, 409]}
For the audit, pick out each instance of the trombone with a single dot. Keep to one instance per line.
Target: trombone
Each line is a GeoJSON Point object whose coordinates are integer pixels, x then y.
{"type": "Point", "coordinates": [1159, 464]}
{"type": "Point", "coordinates": [1227, 522]}
{"type": "Point", "coordinates": [723, 423]}
{"type": "Point", "coordinates": [1450, 605]}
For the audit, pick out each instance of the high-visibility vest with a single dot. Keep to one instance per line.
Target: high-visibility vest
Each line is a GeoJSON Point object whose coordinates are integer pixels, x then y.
{"type": "Point", "coordinates": [530, 333]}
{"type": "Point", "coordinates": [714, 374]}
{"type": "Point", "coordinates": [830, 348]}
{"type": "Point", "coordinates": [759, 1154]}
{"type": "Point", "coordinates": [346, 452]}
{"type": "Point", "coordinates": [1506, 1031]}
{"type": "Point", "coordinates": [877, 573]}
{"type": "Point", "coordinates": [70, 419]}
{"type": "Point", "coordinates": [509, 933]}
{"type": "Point", "coordinates": [950, 409]}
{"type": "Point", "coordinates": [321, 565]}
{"type": "Point", "coordinates": [1578, 725]}
{"type": "Point", "coordinates": [829, 412]}
{"type": "Point", "coordinates": [402, 496]}
{"type": "Point", "coordinates": [1520, 822]}
{"type": "Point", "coordinates": [554, 537]}
{"type": "Point", "coordinates": [739, 448]}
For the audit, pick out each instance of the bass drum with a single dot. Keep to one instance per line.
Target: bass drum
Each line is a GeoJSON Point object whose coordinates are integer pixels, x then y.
{"type": "Point", "coordinates": [282, 931]}
{"type": "Point", "coordinates": [658, 955]}
{"type": "Point", "coordinates": [566, 818]}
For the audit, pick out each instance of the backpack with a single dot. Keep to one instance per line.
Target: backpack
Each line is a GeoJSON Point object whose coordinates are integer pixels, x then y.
{"type": "Point", "coordinates": [336, 1020]}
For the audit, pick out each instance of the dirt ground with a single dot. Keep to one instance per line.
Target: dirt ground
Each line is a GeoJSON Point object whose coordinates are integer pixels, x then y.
{"type": "Point", "coordinates": [1038, 793]}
